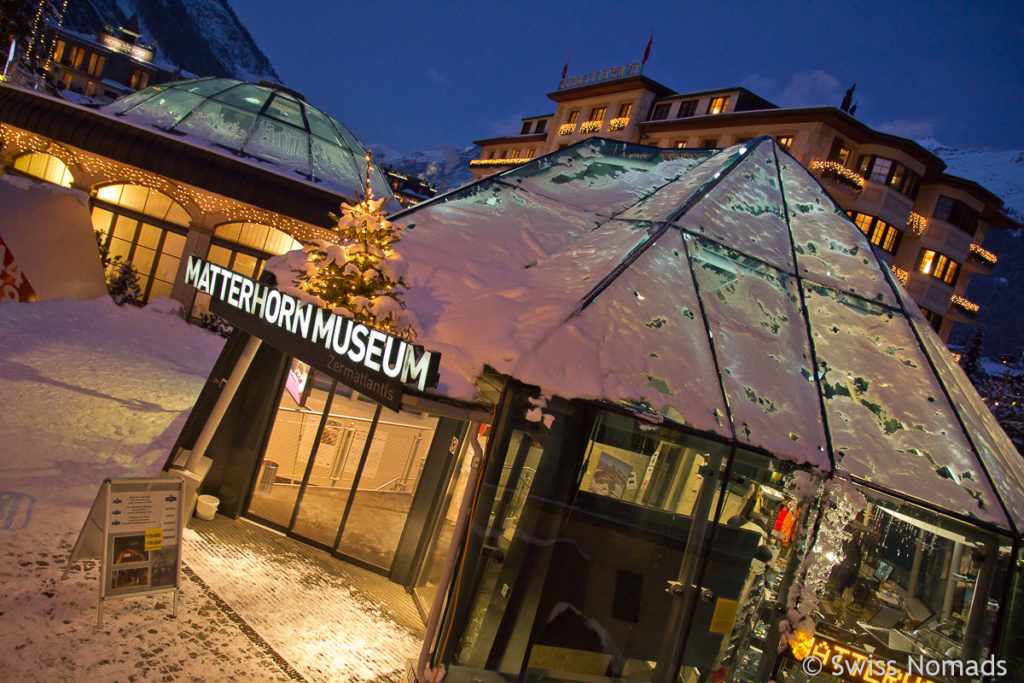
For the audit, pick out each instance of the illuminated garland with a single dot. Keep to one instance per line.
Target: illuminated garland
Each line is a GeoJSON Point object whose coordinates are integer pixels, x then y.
{"type": "Point", "coordinates": [902, 275]}
{"type": "Point", "coordinates": [590, 126]}
{"type": "Point", "coordinates": [836, 170]}
{"type": "Point", "coordinates": [498, 162]}
{"type": "Point", "coordinates": [916, 223]}
{"type": "Point", "coordinates": [963, 303]}
{"type": "Point", "coordinates": [567, 129]}
{"type": "Point", "coordinates": [619, 123]}
{"type": "Point", "coordinates": [200, 201]}
{"type": "Point", "coordinates": [956, 356]}
{"type": "Point", "coordinates": [983, 254]}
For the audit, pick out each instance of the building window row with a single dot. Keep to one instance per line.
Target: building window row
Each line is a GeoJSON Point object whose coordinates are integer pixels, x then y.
{"type": "Point", "coordinates": [955, 212]}
{"type": "Point", "coordinates": [878, 232]}
{"type": "Point", "coordinates": [892, 173]}
{"type": "Point", "coordinates": [938, 266]}
{"type": "Point", "coordinates": [534, 127]}
{"type": "Point", "coordinates": [45, 167]}
{"type": "Point", "coordinates": [687, 108]}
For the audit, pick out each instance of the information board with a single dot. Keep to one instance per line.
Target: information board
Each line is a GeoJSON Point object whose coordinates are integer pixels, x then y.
{"type": "Point", "coordinates": [134, 529]}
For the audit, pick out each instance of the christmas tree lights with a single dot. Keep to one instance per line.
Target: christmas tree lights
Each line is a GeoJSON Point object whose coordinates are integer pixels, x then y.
{"type": "Point", "coordinates": [361, 276]}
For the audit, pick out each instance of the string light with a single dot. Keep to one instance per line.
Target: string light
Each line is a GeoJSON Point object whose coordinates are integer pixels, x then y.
{"type": "Point", "coordinates": [202, 202]}
{"type": "Point", "coordinates": [833, 169]}
{"type": "Point", "coordinates": [956, 356]}
{"type": "Point", "coordinates": [983, 254]}
{"type": "Point", "coordinates": [590, 126]}
{"type": "Point", "coordinates": [618, 123]}
{"type": "Point", "coordinates": [916, 223]}
{"type": "Point", "coordinates": [902, 275]}
{"type": "Point", "coordinates": [965, 304]}
{"type": "Point", "coordinates": [567, 129]}
{"type": "Point", "coordinates": [498, 162]}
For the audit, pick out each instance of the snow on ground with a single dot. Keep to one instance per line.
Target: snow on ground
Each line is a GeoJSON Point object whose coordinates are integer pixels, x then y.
{"type": "Point", "coordinates": [90, 391]}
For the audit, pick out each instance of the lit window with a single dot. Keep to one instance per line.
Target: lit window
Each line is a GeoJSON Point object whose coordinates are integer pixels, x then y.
{"type": "Point", "coordinates": [625, 109]}
{"type": "Point", "coordinates": [573, 116]}
{"type": "Point", "coordinates": [785, 141]}
{"type": "Point", "coordinates": [76, 55]}
{"type": "Point", "coordinates": [680, 144]}
{"type": "Point", "coordinates": [139, 79]}
{"type": "Point", "coordinates": [938, 265]}
{"type": "Point", "coordinates": [597, 113]}
{"type": "Point", "coordinates": [58, 50]}
{"type": "Point", "coordinates": [718, 105]}
{"type": "Point", "coordinates": [528, 154]}
{"type": "Point", "coordinates": [515, 154]}
{"type": "Point", "coordinates": [144, 200]}
{"type": "Point", "coordinates": [46, 167]}
{"type": "Point", "coordinates": [839, 153]}
{"type": "Point", "coordinates": [96, 64]}
{"type": "Point", "coordinates": [879, 232]}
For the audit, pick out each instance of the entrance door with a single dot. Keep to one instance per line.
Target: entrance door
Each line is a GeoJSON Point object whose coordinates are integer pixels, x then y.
{"type": "Point", "coordinates": [340, 472]}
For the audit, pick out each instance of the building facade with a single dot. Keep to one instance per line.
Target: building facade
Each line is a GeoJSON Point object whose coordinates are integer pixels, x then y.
{"type": "Point", "coordinates": [928, 225]}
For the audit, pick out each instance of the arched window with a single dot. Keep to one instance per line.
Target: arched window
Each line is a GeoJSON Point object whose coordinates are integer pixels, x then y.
{"type": "Point", "coordinates": [144, 226]}
{"type": "Point", "coordinates": [244, 248]}
{"type": "Point", "coordinates": [46, 167]}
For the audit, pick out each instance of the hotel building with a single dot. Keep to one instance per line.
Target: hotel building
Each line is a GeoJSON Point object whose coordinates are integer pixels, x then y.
{"type": "Point", "coordinates": [928, 225]}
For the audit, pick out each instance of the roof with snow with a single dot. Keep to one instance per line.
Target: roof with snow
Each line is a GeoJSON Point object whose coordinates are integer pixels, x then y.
{"type": "Point", "coordinates": [263, 122]}
{"type": "Point", "coordinates": [722, 291]}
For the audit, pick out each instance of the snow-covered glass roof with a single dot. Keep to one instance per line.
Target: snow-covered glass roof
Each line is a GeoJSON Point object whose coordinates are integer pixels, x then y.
{"type": "Point", "coordinates": [724, 291]}
{"type": "Point", "coordinates": [261, 123]}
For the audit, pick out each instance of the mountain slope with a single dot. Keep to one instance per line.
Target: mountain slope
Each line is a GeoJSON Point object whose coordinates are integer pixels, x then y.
{"type": "Point", "coordinates": [203, 37]}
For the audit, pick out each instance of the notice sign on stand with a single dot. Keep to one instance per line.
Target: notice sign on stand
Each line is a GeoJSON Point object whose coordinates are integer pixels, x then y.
{"type": "Point", "coordinates": [134, 529]}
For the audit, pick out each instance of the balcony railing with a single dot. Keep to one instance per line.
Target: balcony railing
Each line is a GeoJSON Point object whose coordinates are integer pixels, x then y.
{"type": "Point", "coordinates": [836, 172]}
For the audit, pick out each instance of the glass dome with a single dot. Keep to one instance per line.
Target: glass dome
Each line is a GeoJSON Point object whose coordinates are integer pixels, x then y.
{"type": "Point", "coordinates": [263, 122]}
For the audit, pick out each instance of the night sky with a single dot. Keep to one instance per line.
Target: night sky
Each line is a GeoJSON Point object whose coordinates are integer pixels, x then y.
{"type": "Point", "coordinates": [419, 75]}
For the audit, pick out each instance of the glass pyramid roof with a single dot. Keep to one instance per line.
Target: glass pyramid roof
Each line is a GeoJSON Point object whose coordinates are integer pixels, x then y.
{"type": "Point", "coordinates": [723, 291]}
{"type": "Point", "coordinates": [265, 123]}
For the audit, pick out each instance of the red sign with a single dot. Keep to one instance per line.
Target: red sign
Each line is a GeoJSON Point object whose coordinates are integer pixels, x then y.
{"type": "Point", "coordinates": [13, 285]}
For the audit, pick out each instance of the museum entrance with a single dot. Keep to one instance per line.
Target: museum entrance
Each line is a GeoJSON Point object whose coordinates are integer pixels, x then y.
{"type": "Point", "coordinates": [347, 475]}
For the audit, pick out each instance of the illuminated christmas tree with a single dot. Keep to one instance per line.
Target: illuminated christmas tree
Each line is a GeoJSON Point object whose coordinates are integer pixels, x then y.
{"type": "Point", "coordinates": [361, 275]}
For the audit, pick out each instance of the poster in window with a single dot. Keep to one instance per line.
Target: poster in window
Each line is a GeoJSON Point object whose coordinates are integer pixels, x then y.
{"type": "Point", "coordinates": [610, 477]}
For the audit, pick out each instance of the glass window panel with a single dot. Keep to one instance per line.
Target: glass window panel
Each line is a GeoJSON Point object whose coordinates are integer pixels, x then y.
{"type": "Point", "coordinates": [166, 109]}
{"type": "Point", "coordinates": [142, 259]}
{"type": "Point", "coordinates": [159, 288]}
{"type": "Point", "coordinates": [178, 215]}
{"type": "Point", "coordinates": [119, 248]}
{"type": "Point", "coordinates": [675, 338]}
{"type": "Point", "coordinates": [828, 248]}
{"type": "Point", "coordinates": [386, 487]}
{"type": "Point", "coordinates": [144, 279]}
{"type": "Point", "coordinates": [101, 219]}
{"type": "Point", "coordinates": [320, 125]}
{"type": "Point", "coordinates": [349, 139]}
{"type": "Point", "coordinates": [247, 97]}
{"type": "Point", "coordinates": [219, 255]}
{"type": "Point", "coordinates": [134, 197]}
{"type": "Point", "coordinates": [125, 103]}
{"type": "Point", "coordinates": [205, 87]}
{"type": "Point", "coordinates": [285, 109]}
{"type": "Point", "coordinates": [124, 228]}
{"type": "Point", "coordinates": [167, 268]}
{"type": "Point", "coordinates": [335, 165]}
{"type": "Point", "coordinates": [880, 170]}
{"type": "Point", "coordinates": [157, 204]}
{"type": "Point", "coordinates": [228, 231]}
{"type": "Point", "coordinates": [253, 235]}
{"type": "Point", "coordinates": [996, 450]}
{"type": "Point", "coordinates": [763, 353]}
{"type": "Point", "coordinates": [149, 236]}
{"type": "Point", "coordinates": [218, 123]}
{"type": "Point", "coordinates": [245, 264]}
{"type": "Point", "coordinates": [890, 421]}
{"type": "Point", "coordinates": [603, 177]}
{"type": "Point", "coordinates": [280, 242]}
{"type": "Point", "coordinates": [110, 193]}
{"type": "Point", "coordinates": [744, 211]}
{"type": "Point", "coordinates": [280, 144]}
{"type": "Point", "coordinates": [174, 244]}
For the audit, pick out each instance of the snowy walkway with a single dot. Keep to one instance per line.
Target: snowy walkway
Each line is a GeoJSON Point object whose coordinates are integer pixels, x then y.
{"type": "Point", "coordinates": [90, 391]}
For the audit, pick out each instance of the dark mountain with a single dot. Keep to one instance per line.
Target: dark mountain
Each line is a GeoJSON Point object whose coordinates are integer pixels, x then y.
{"type": "Point", "coordinates": [203, 37]}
